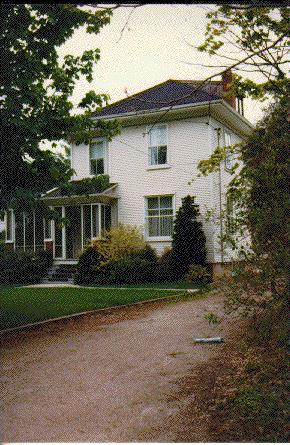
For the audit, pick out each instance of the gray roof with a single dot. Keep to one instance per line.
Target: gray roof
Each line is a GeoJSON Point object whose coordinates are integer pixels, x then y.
{"type": "Point", "coordinates": [58, 192]}
{"type": "Point", "coordinates": [166, 94]}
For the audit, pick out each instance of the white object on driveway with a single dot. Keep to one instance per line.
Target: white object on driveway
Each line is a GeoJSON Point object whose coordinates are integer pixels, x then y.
{"type": "Point", "coordinates": [209, 340]}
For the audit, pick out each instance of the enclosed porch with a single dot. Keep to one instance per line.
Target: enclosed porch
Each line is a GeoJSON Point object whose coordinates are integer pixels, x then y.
{"type": "Point", "coordinates": [83, 219]}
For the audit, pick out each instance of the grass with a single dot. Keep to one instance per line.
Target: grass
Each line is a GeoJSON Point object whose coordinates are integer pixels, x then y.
{"type": "Point", "coordinates": [165, 285]}
{"type": "Point", "coordinates": [20, 306]}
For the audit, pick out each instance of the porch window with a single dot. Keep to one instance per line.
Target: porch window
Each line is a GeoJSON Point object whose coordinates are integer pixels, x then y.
{"type": "Point", "coordinates": [95, 221]}
{"type": "Point", "coordinates": [159, 216]}
{"type": "Point", "coordinates": [47, 229]}
{"type": "Point", "coordinates": [29, 227]}
{"type": "Point", "coordinates": [158, 145]}
{"type": "Point", "coordinates": [97, 158]}
{"type": "Point", "coordinates": [9, 226]}
{"type": "Point", "coordinates": [96, 218]}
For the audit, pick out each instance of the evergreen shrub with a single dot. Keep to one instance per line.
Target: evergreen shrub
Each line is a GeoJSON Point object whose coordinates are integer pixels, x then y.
{"type": "Point", "coordinates": [188, 240]}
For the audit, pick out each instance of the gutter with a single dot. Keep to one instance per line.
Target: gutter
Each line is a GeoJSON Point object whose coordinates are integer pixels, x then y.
{"type": "Point", "coordinates": [154, 110]}
{"type": "Point", "coordinates": [186, 107]}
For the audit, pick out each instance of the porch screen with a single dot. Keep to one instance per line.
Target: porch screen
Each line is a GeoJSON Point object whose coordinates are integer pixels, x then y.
{"type": "Point", "coordinates": [96, 219]}
{"type": "Point", "coordinates": [58, 234]}
{"type": "Point", "coordinates": [29, 231]}
{"type": "Point", "coordinates": [87, 223]}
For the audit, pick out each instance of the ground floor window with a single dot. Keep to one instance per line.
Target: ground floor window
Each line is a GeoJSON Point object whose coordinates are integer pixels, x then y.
{"type": "Point", "coordinates": [159, 216]}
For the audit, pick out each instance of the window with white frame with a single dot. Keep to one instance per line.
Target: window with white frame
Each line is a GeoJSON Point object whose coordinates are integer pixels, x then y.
{"type": "Point", "coordinates": [97, 157]}
{"type": "Point", "coordinates": [229, 156]}
{"type": "Point", "coordinates": [159, 216]}
{"type": "Point", "coordinates": [158, 145]}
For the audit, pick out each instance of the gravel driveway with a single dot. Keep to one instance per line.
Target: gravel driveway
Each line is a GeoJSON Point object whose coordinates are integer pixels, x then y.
{"type": "Point", "coordinates": [113, 376]}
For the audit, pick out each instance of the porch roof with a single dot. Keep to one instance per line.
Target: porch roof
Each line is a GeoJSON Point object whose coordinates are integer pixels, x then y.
{"type": "Point", "coordinates": [56, 196]}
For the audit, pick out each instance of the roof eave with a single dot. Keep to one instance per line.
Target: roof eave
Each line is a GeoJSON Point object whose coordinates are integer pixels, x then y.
{"type": "Point", "coordinates": [80, 199]}
{"type": "Point", "coordinates": [218, 109]}
{"type": "Point", "coordinates": [154, 110]}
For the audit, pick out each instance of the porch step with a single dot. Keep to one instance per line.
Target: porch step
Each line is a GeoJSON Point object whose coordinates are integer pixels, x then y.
{"type": "Point", "coordinates": [60, 273]}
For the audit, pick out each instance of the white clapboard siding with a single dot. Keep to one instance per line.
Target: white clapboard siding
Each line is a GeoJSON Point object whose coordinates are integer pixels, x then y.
{"type": "Point", "coordinates": [189, 141]}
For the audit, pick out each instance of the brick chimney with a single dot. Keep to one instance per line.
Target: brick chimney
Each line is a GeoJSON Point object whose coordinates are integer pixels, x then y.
{"type": "Point", "coordinates": [227, 79]}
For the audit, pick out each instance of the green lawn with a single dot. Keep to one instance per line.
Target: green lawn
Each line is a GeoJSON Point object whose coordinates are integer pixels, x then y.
{"type": "Point", "coordinates": [20, 306]}
{"type": "Point", "coordinates": [165, 285]}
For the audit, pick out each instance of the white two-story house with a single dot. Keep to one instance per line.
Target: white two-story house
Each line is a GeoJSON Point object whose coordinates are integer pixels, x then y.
{"type": "Point", "coordinates": [152, 165]}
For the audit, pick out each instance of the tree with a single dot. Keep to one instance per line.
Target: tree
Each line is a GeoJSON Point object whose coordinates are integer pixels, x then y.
{"type": "Point", "coordinates": [35, 95]}
{"type": "Point", "coordinates": [188, 240]}
{"type": "Point", "coordinates": [258, 190]}
{"type": "Point", "coordinates": [254, 40]}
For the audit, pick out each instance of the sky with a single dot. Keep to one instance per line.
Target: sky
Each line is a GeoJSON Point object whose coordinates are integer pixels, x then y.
{"type": "Point", "coordinates": [156, 47]}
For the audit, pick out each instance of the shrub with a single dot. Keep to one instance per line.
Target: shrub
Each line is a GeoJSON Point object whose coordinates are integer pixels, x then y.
{"type": "Point", "coordinates": [127, 271]}
{"type": "Point", "coordinates": [197, 274]}
{"type": "Point", "coordinates": [120, 243]}
{"type": "Point", "coordinates": [166, 267]}
{"type": "Point", "coordinates": [89, 260]}
{"type": "Point", "coordinates": [45, 258]}
{"type": "Point", "coordinates": [188, 240]}
{"type": "Point", "coordinates": [102, 261]}
{"type": "Point", "coordinates": [147, 254]}
{"type": "Point", "coordinates": [23, 267]}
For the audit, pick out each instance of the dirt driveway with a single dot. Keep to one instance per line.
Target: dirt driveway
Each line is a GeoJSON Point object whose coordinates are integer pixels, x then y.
{"type": "Point", "coordinates": [107, 377]}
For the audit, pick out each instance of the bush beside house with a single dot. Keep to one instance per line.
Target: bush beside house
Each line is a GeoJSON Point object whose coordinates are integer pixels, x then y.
{"type": "Point", "coordinates": [123, 257]}
{"type": "Point", "coordinates": [23, 267]}
{"type": "Point", "coordinates": [188, 240]}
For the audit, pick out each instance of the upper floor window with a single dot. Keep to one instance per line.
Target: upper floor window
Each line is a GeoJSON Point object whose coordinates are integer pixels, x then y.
{"type": "Point", "coordinates": [97, 158]}
{"type": "Point", "coordinates": [158, 145]}
{"type": "Point", "coordinates": [159, 216]}
{"type": "Point", "coordinates": [229, 156]}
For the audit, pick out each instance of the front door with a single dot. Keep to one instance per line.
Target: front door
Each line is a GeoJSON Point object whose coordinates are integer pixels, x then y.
{"type": "Point", "coordinates": [59, 235]}
{"type": "Point", "coordinates": [73, 232]}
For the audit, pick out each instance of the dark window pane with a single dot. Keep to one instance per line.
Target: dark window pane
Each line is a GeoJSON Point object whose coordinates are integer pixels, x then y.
{"type": "Point", "coordinates": [152, 203]}
{"type": "Point", "coordinates": [19, 230]}
{"type": "Point", "coordinates": [58, 234]}
{"type": "Point", "coordinates": [86, 224]}
{"type": "Point", "coordinates": [162, 155]}
{"type": "Point", "coordinates": [100, 167]}
{"type": "Point", "coordinates": [9, 218]}
{"type": "Point", "coordinates": [153, 226]}
{"type": "Point", "coordinates": [39, 228]}
{"type": "Point", "coordinates": [47, 229]}
{"type": "Point", "coordinates": [166, 226]}
{"type": "Point", "coordinates": [29, 232]}
{"type": "Point", "coordinates": [93, 167]}
{"type": "Point", "coordinates": [166, 202]}
{"type": "Point", "coordinates": [95, 222]}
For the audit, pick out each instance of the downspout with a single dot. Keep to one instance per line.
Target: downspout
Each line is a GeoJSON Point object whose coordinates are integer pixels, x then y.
{"type": "Point", "coordinates": [218, 130]}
